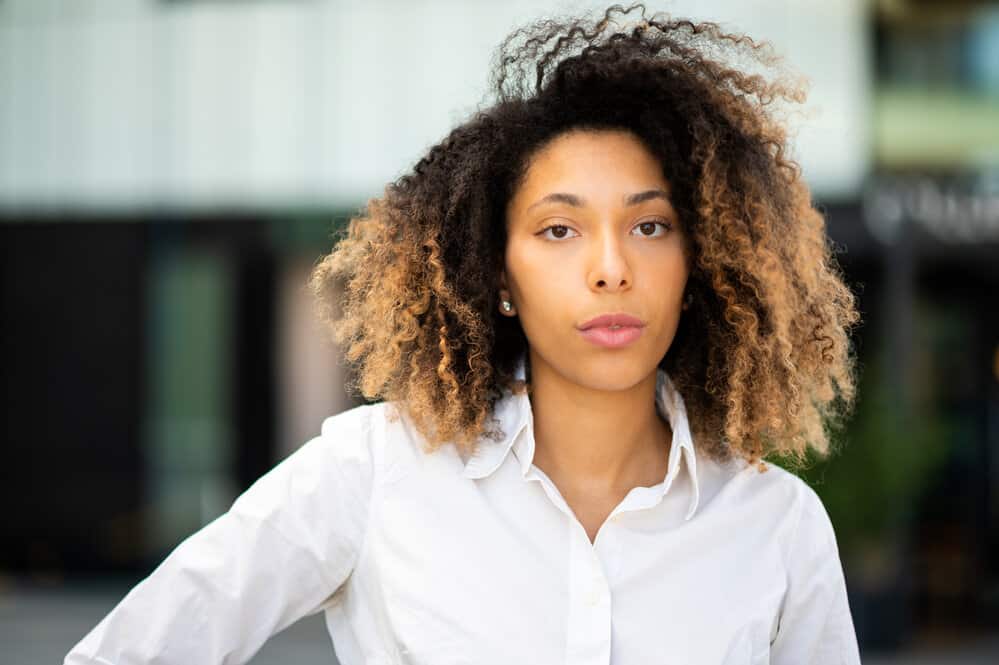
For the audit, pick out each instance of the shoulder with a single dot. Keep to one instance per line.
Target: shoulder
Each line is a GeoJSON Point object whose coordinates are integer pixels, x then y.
{"type": "Point", "coordinates": [350, 432]}
{"type": "Point", "coordinates": [774, 497]}
{"type": "Point", "coordinates": [799, 494]}
{"type": "Point", "coordinates": [382, 436]}
{"type": "Point", "coordinates": [357, 419]}
{"type": "Point", "coordinates": [806, 509]}
{"type": "Point", "coordinates": [768, 482]}
{"type": "Point", "coordinates": [808, 533]}
{"type": "Point", "coordinates": [337, 464]}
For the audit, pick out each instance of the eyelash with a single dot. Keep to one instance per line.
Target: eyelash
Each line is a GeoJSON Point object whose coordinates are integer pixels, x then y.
{"type": "Point", "coordinates": [661, 222]}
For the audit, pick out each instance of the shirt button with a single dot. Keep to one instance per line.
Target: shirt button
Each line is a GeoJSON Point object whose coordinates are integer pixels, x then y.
{"type": "Point", "coordinates": [594, 597]}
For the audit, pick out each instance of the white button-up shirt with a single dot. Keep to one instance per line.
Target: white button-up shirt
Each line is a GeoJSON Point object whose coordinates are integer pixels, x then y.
{"type": "Point", "coordinates": [431, 558]}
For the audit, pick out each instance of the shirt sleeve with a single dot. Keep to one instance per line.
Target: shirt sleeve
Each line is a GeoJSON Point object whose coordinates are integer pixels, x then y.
{"type": "Point", "coordinates": [815, 625]}
{"type": "Point", "coordinates": [282, 549]}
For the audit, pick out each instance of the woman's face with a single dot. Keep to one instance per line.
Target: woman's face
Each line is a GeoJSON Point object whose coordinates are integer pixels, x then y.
{"type": "Point", "coordinates": [591, 231]}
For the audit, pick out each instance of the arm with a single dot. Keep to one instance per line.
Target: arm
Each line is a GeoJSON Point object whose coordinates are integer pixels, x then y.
{"type": "Point", "coordinates": [277, 555]}
{"type": "Point", "coordinates": [816, 627]}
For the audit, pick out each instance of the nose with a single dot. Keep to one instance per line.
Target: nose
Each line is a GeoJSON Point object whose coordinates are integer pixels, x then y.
{"type": "Point", "coordinates": [608, 266]}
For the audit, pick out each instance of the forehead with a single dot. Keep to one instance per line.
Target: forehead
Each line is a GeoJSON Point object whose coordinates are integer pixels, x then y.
{"type": "Point", "coordinates": [594, 163]}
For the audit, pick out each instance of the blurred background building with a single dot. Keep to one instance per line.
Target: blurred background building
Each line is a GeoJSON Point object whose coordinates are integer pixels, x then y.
{"type": "Point", "coordinates": [170, 170]}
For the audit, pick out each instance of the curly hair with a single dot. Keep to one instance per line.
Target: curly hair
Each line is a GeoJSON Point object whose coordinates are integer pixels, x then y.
{"type": "Point", "coordinates": [763, 356]}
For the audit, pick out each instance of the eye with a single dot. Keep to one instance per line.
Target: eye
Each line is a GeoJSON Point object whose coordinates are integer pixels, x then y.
{"type": "Point", "coordinates": [559, 232]}
{"type": "Point", "coordinates": [647, 228]}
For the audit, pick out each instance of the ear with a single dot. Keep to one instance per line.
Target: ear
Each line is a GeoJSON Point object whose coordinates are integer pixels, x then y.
{"type": "Point", "coordinates": [502, 280]}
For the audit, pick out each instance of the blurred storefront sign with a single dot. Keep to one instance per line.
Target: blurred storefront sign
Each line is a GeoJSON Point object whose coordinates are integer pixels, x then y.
{"type": "Point", "coordinates": [952, 209]}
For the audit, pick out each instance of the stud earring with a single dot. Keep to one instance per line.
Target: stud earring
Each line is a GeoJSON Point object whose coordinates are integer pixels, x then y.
{"type": "Point", "coordinates": [507, 305]}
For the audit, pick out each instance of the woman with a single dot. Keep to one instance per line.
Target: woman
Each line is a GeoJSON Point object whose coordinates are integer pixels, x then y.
{"type": "Point", "coordinates": [589, 313]}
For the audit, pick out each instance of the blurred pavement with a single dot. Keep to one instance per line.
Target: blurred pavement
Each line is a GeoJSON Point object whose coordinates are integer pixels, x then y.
{"type": "Point", "coordinates": [39, 626]}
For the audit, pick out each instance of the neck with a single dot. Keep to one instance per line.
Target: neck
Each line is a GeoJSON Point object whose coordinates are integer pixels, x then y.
{"type": "Point", "coordinates": [597, 441]}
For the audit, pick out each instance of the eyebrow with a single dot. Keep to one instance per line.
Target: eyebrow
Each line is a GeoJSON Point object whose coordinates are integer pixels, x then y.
{"type": "Point", "coordinates": [578, 202]}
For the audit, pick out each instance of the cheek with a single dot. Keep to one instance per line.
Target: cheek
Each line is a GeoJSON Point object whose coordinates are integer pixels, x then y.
{"type": "Point", "coordinates": [676, 277]}
{"type": "Point", "coordinates": [530, 273]}
{"type": "Point", "coordinates": [671, 267]}
{"type": "Point", "coordinates": [667, 279]}
{"type": "Point", "coordinates": [542, 292]}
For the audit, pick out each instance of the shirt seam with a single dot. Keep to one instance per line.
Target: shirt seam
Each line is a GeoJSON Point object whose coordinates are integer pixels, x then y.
{"type": "Point", "coordinates": [787, 557]}
{"type": "Point", "coordinates": [376, 478]}
{"type": "Point", "coordinates": [288, 541]}
{"type": "Point", "coordinates": [323, 574]}
{"type": "Point", "coordinates": [797, 527]}
{"type": "Point", "coordinates": [830, 606]}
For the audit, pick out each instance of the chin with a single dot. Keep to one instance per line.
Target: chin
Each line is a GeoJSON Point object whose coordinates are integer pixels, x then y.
{"type": "Point", "coordinates": [612, 371]}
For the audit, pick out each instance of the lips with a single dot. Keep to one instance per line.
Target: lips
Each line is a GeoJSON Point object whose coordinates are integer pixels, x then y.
{"type": "Point", "coordinates": [613, 321]}
{"type": "Point", "coordinates": [612, 331]}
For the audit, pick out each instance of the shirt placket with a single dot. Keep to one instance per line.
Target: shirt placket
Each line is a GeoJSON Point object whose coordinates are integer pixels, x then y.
{"type": "Point", "coordinates": [588, 627]}
{"type": "Point", "coordinates": [589, 622]}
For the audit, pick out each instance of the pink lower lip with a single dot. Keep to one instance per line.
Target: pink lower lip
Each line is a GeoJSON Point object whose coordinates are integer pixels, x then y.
{"type": "Point", "coordinates": [612, 339]}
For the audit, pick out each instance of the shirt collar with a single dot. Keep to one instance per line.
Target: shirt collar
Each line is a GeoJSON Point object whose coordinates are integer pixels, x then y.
{"type": "Point", "coordinates": [516, 419]}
